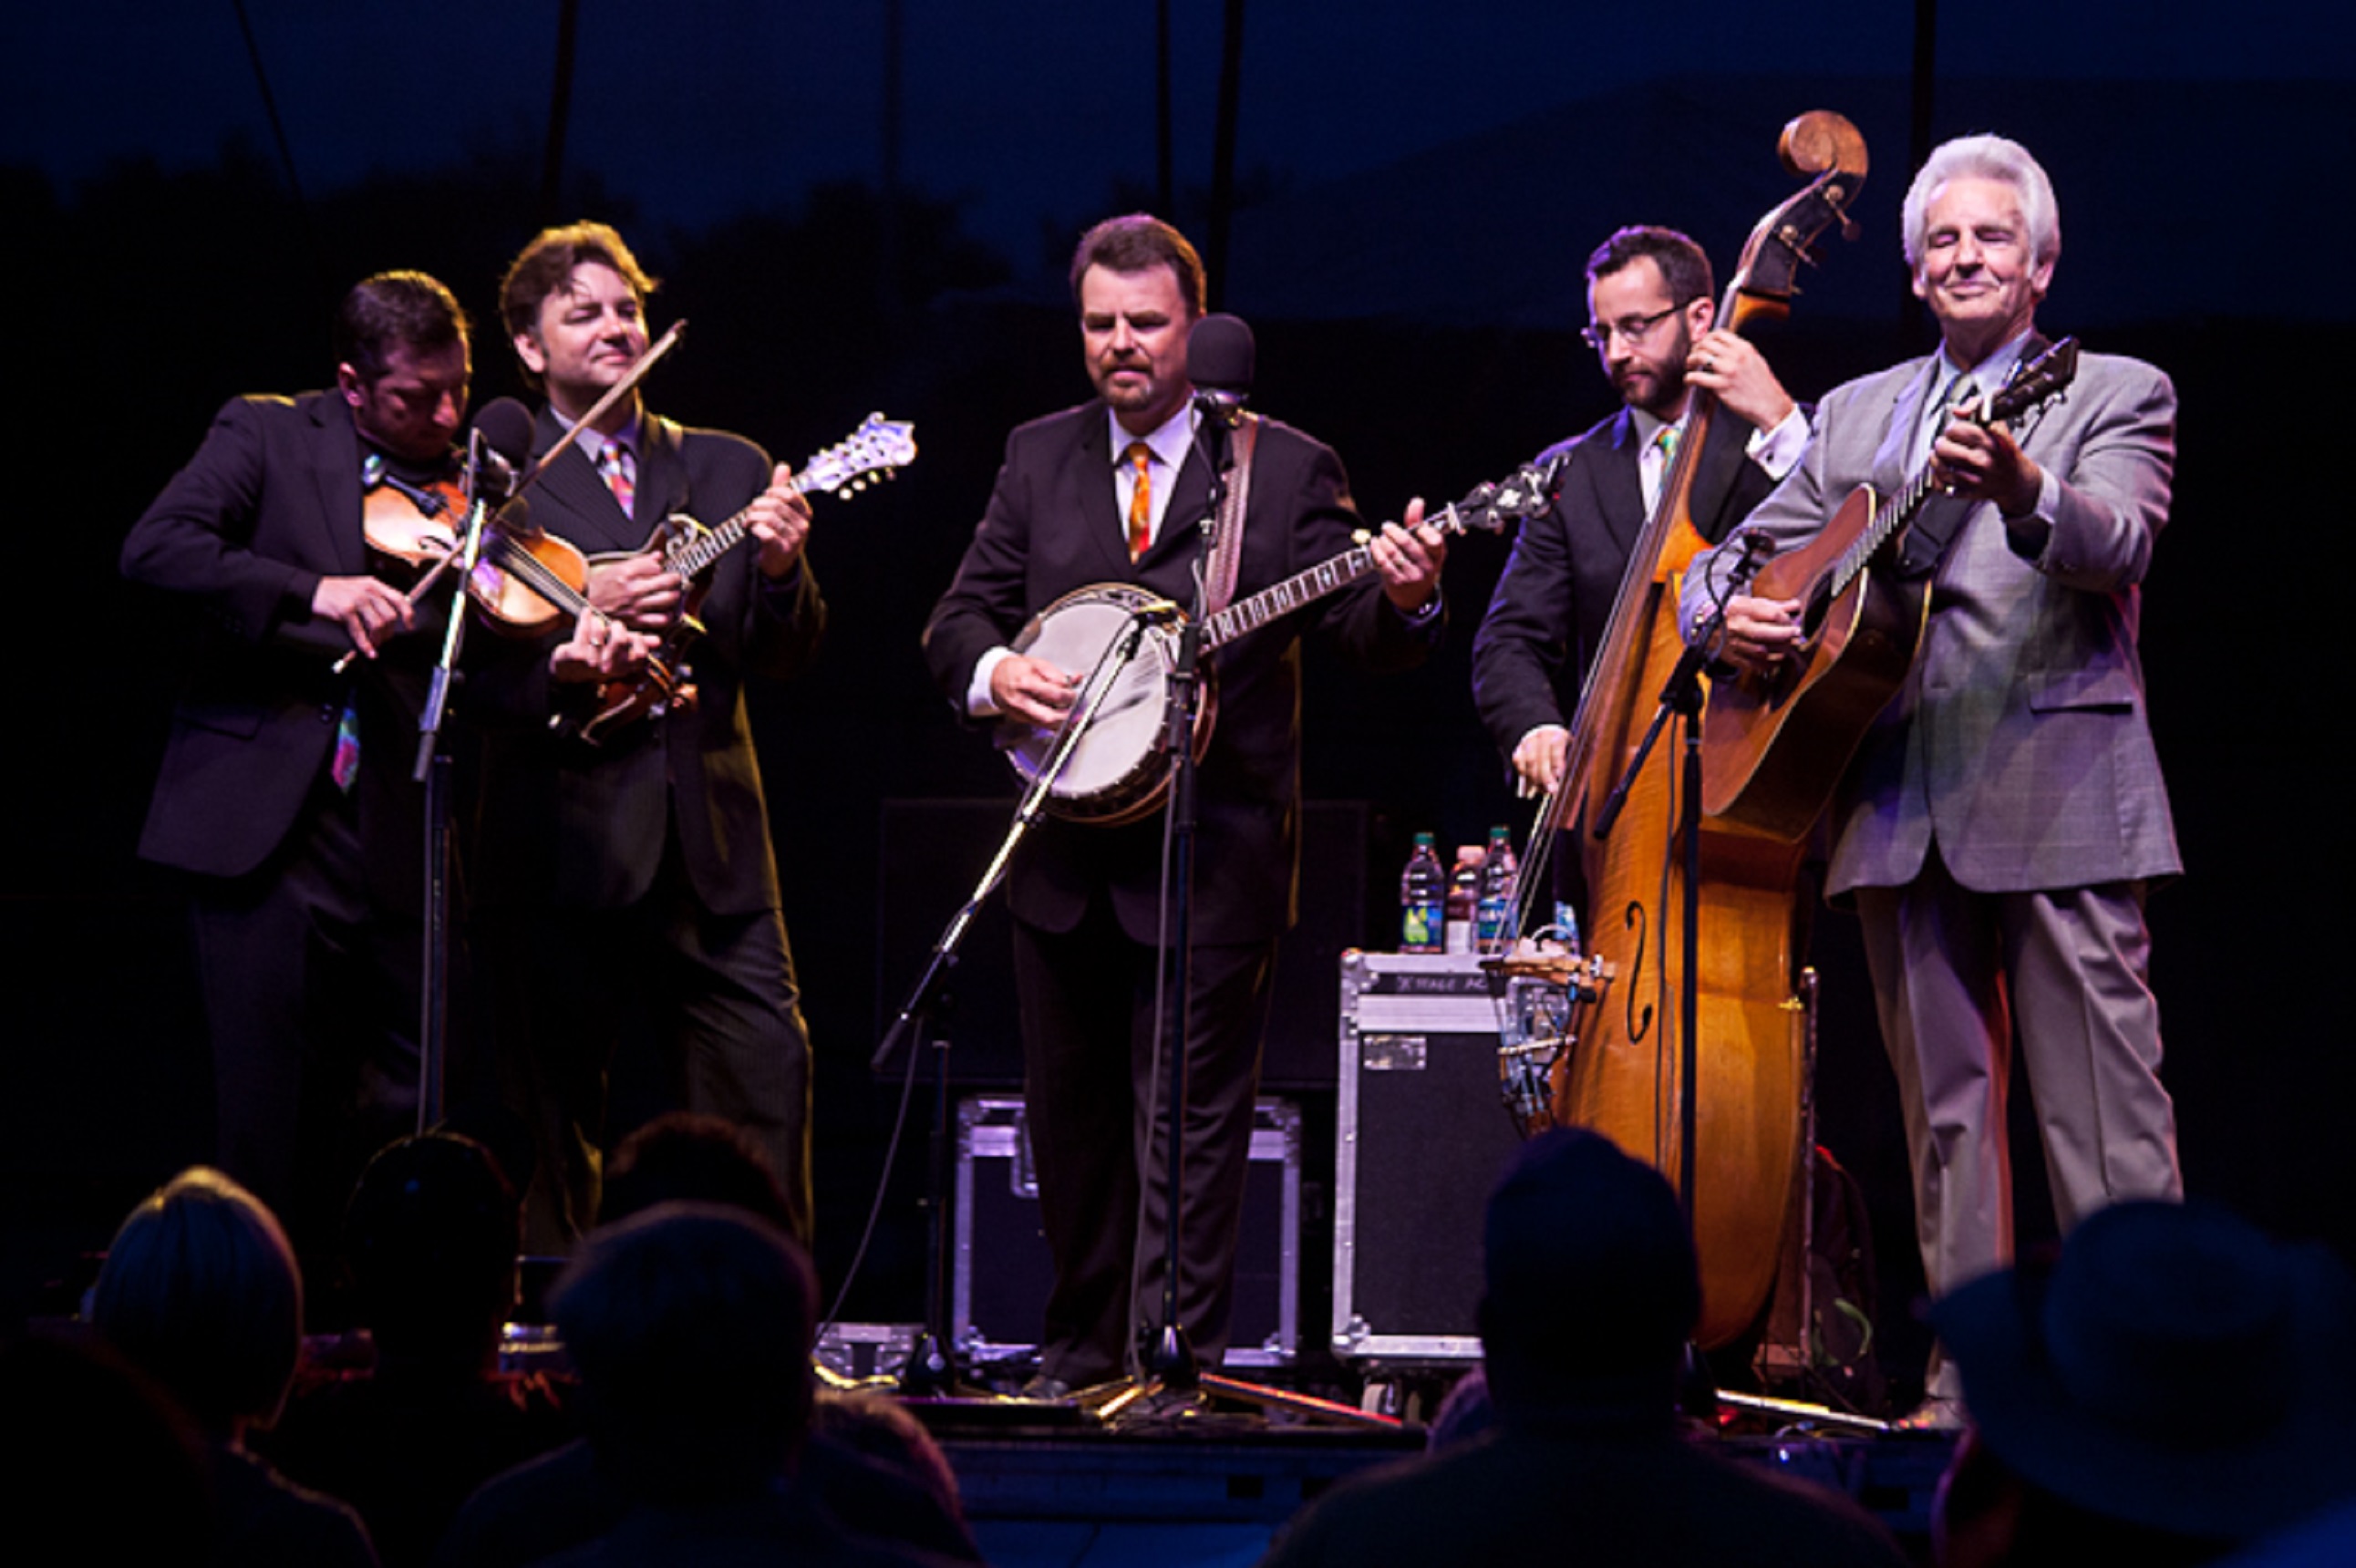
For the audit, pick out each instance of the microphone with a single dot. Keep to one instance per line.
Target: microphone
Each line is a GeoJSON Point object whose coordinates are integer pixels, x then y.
{"type": "Point", "coordinates": [506, 426]}
{"type": "Point", "coordinates": [503, 430]}
{"type": "Point", "coordinates": [1219, 359]}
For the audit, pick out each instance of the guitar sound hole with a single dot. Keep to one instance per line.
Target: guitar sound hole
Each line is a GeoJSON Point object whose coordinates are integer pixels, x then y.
{"type": "Point", "coordinates": [1812, 616]}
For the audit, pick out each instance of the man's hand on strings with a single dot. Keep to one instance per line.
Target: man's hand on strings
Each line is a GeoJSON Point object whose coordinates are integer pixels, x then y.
{"type": "Point", "coordinates": [1984, 463]}
{"type": "Point", "coordinates": [1728, 365]}
{"type": "Point", "coordinates": [599, 650]}
{"type": "Point", "coordinates": [1760, 633]}
{"type": "Point", "coordinates": [1541, 757]}
{"type": "Point", "coordinates": [637, 591]}
{"type": "Point", "coordinates": [1032, 690]}
{"type": "Point", "coordinates": [779, 518]}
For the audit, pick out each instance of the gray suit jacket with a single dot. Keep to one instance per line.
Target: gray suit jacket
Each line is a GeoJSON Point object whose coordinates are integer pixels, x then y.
{"type": "Point", "coordinates": [2019, 742]}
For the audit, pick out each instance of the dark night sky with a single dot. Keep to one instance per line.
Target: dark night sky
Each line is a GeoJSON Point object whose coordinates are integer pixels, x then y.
{"type": "Point", "coordinates": [1027, 114]}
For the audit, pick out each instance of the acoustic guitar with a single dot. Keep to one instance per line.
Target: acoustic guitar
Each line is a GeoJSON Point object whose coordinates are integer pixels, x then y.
{"type": "Point", "coordinates": [1774, 745]}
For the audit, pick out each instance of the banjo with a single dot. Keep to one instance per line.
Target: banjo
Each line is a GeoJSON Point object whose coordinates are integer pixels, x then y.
{"type": "Point", "coordinates": [1119, 770]}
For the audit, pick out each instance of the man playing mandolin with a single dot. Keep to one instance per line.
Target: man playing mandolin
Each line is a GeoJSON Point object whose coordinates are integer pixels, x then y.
{"type": "Point", "coordinates": [632, 887]}
{"type": "Point", "coordinates": [1109, 493]}
{"type": "Point", "coordinates": [2003, 816]}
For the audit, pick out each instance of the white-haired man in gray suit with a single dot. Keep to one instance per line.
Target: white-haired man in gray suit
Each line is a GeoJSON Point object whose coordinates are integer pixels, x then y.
{"type": "Point", "coordinates": [2005, 815]}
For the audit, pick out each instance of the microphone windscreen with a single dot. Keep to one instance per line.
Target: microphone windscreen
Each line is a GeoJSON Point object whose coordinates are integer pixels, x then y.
{"type": "Point", "coordinates": [506, 426]}
{"type": "Point", "coordinates": [1220, 355]}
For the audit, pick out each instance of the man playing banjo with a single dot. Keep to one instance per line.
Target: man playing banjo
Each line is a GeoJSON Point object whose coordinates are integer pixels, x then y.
{"type": "Point", "coordinates": [1108, 493]}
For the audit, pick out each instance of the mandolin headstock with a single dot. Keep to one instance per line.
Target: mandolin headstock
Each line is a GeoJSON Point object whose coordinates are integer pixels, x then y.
{"type": "Point", "coordinates": [875, 450]}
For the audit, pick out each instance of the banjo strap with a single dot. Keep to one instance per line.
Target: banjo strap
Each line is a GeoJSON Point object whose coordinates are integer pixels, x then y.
{"type": "Point", "coordinates": [1226, 559]}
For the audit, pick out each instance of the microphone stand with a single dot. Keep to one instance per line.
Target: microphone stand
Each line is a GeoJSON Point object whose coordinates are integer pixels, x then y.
{"type": "Point", "coordinates": [1172, 1366]}
{"type": "Point", "coordinates": [1682, 695]}
{"type": "Point", "coordinates": [931, 1368]}
{"type": "Point", "coordinates": [433, 769]}
{"type": "Point", "coordinates": [1172, 1363]}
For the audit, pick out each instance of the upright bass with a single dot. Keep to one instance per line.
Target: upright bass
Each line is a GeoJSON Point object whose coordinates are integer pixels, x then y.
{"type": "Point", "coordinates": [1621, 1071]}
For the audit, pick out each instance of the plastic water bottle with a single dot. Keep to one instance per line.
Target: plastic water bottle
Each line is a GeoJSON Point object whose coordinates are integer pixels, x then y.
{"type": "Point", "coordinates": [1493, 923]}
{"type": "Point", "coordinates": [1423, 900]}
{"type": "Point", "coordinates": [1463, 897]}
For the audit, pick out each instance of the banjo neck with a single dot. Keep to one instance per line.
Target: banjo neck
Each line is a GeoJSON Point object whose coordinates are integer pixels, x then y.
{"type": "Point", "coordinates": [1308, 587]}
{"type": "Point", "coordinates": [1282, 598]}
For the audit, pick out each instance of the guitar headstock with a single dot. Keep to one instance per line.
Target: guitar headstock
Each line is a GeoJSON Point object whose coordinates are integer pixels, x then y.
{"type": "Point", "coordinates": [1493, 503]}
{"type": "Point", "coordinates": [874, 451]}
{"type": "Point", "coordinates": [2040, 379]}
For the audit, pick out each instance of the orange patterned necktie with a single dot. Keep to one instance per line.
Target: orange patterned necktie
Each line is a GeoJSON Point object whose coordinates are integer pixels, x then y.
{"type": "Point", "coordinates": [1140, 498]}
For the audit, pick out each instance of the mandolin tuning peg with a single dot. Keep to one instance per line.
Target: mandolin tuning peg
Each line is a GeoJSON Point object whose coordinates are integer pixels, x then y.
{"type": "Point", "coordinates": [1360, 536]}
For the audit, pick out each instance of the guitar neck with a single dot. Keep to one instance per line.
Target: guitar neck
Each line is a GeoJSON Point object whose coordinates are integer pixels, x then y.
{"type": "Point", "coordinates": [1888, 520]}
{"type": "Point", "coordinates": [1303, 588]}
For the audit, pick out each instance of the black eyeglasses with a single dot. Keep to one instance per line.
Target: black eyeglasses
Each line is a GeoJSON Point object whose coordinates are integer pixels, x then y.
{"type": "Point", "coordinates": [1629, 329]}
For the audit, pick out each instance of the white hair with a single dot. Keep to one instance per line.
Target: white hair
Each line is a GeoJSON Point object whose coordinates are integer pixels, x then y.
{"type": "Point", "coordinates": [1989, 158]}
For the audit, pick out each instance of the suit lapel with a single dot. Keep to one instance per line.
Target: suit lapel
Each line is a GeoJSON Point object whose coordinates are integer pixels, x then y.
{"type": "Point", "coordinates": [592, 518]}
{"type": "Point", "coordinates": [1889, 468]}
{"type": "Point", "coordinates": [663, 486]}
{"type": "Point", "coordinates": [1190, 498]}
{"type": "Point", "coordinates": [1619, 492]}
{"type": "Point", "coordinates": [1722, 456]}
{"type": "Point", "coordinates": [1107, 551]}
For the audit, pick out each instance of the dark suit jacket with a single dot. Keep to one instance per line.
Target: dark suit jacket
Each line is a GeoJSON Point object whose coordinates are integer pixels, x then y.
{"type": "Point", "coordinates": [270, 505]}
{"type": "Point", "coordinates": [1052, 528]}
{"type": "Point", "coordinates": [586, 826]}
{"type": "Point", "coordinates": [1564, 574]}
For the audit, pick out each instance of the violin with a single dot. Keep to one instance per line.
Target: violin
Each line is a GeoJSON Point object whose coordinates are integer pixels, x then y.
{"type": "Point", "coordinates": [419, 524]}
{"type": "Point", "coordinates": [409, 522]}
{"type": "Point", "coordinates": [526, 583]}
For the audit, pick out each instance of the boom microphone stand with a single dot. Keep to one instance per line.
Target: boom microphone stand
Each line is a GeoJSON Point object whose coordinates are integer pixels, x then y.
{"type": "Point", "coordinates": [931, 1366]}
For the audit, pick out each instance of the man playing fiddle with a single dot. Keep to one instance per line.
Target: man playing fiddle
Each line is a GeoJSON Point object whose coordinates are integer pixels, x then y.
{"type": "Point", "coordinates": [2005, 815]}
{"type": "Point", "coordinates": [285, 790]}
{"type": "Point", "coordinates": [635, 884]}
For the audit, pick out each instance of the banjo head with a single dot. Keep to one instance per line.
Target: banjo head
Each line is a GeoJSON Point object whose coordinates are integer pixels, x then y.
{"type": "Point", "coordinates": [1119, 769]}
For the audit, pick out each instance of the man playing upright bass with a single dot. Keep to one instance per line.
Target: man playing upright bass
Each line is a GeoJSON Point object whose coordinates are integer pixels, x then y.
{"type": "Point", "coordinates": [1651, 309]}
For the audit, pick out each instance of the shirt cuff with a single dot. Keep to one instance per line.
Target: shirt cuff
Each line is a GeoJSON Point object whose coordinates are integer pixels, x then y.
{"type": "Point", "coordinates": [1778, 451]}
{"type": "Point", "coordinates": [979, 702]}
{"type": "Point", "coordinates": [1424, 613]}
{"type": "Point", "coordinates": [2029, 535]}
